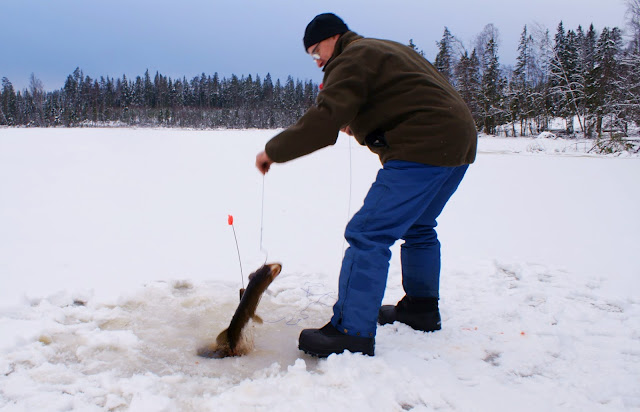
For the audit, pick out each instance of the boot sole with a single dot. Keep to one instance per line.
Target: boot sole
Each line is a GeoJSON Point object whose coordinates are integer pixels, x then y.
{"type": "Point", "coordinates": [318, 354]}
{"type": "Point", "coordinates": [388, 315]}
{"type": "Point", "coordinates": [416, 328]}
{"type": "Point", "coordinates": [315, 353]}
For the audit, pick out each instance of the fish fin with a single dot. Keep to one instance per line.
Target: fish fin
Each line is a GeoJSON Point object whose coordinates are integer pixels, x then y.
{"type": "Point", "coordinates": [223, 338]}
{"type": "Point", "coordinates": [257, 318]}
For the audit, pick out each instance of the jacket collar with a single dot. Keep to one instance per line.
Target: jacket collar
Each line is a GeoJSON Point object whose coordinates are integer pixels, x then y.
{"type": "Point", "coordinates": [343, 42]}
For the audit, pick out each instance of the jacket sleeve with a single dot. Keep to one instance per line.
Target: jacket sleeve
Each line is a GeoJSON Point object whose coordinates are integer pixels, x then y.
{"type": "Point", "coordinates": [345, 91]}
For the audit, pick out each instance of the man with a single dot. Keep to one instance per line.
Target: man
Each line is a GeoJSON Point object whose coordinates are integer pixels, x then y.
{"type": "Point", "coordinates": [392, 100]}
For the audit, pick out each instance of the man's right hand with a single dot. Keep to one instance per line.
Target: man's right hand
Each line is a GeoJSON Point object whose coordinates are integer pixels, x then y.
{"type": "Point", "coordinates": [347, 130]}
{"type": "Point", "coordinates": [263, 162]}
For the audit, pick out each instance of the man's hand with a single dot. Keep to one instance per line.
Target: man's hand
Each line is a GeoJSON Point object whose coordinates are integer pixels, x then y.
{"type": "Point", "coordinates": [263, 163]}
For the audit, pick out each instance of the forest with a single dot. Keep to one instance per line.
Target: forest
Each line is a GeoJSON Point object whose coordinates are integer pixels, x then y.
{"type": "Point", "coordinates": [588, 77]}
{"type": "Point", "coordinates": [202, 102]}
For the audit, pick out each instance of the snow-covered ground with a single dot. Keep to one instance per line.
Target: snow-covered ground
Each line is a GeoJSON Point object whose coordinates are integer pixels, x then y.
{"type": "Point", "coordinates": [117, 262]}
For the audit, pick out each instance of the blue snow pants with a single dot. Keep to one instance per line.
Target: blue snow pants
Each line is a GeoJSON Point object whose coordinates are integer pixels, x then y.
{"type": "Point", "coordinates": [403, 203]}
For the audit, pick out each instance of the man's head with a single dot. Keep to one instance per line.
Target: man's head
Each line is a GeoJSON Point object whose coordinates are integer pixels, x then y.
{"type": "Point", "coordinates": [321, 35]}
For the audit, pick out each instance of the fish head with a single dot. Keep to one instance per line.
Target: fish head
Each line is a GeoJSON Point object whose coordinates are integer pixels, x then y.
{"type": "Point", "coordinates": [268, 271]}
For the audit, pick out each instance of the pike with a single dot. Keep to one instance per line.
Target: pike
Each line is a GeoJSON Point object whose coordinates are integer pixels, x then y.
{"type": "Point", "coordinates": [230, 341]}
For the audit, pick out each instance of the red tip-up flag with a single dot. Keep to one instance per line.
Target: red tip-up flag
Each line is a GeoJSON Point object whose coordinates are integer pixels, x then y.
{"type": "Point", "coordinates": [230, 220]}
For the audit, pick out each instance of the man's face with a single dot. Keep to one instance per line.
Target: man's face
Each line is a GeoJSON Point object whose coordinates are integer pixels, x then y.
{"type": "Point", "coordinates": [322, 51]}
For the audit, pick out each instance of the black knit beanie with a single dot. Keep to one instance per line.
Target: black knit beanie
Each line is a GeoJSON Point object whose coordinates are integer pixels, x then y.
{"type": "Point", "coordinates": [322, 27]}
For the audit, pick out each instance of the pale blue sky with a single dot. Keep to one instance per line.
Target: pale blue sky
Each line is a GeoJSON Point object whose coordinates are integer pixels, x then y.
{"type": "Point", "coordinates": [52, 37]}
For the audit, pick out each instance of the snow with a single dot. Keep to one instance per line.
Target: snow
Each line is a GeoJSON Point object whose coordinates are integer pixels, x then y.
{"type": "Point", "coordinates": [117, 262]}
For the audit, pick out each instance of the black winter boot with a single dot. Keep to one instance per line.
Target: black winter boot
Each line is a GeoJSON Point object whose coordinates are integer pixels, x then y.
{"type": "Point", "coordinates": [327, 340]}
{"type": "Point", "coordinates": [419, 313]}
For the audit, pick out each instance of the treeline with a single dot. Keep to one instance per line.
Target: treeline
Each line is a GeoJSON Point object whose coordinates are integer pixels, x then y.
{"type": "Point", "coordinates": [587, 78]}
{"type": "Point", "coordinates": [202, 102]}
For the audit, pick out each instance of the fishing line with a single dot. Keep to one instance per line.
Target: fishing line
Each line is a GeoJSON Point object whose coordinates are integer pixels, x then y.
{"type": "Point", "coordinates": [262, 249]}
{"type": "Point", "coordinates": [344, 239]}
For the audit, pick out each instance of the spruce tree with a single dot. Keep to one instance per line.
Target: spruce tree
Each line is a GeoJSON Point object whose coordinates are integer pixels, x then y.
{"type": "Point", "coordinates": [492, 88]}
{"type": "Point", "coordinates": [522, 82]}
{"type": "Point", "coordinates": [565, 78]}
{"type": "Point", "coordinates": [444, 61]}
{"type": "Point", "coordinates": [138, 93]}
{"type": "Point", "coordinates": [9, 103]}
{"type": "Point", "coordinates": [147, 91]}
{"type": "Point", "coordinates": [70, 94]}
{"type": "Point", "coordinates": [587, 51]}
{"type": "Point", "coordinates": [215, 91]}
{"type": "Point", "coordinates": [468, 81]}
{"type": "Point", "coordinates": [607, 78]}
{"type": "Point", "coordinates": [267, 89]}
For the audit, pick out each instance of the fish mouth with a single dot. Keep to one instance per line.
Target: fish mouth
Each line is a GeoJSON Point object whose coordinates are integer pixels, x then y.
{"type": "Point", "coordinates": [274, 269]}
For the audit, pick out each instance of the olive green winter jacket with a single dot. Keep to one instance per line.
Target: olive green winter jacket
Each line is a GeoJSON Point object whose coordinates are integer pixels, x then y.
{"type": "Point", "coordinates": [394, 101]}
